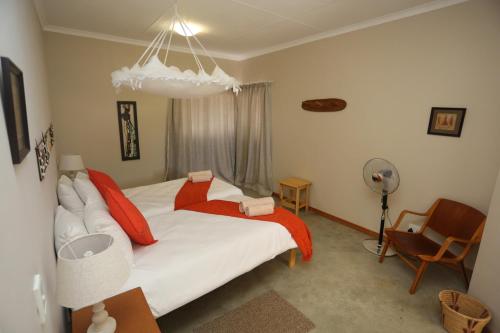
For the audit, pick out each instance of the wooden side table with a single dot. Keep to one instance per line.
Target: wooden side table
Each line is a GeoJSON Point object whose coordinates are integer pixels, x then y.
{"type": "Point", "coordinates": [130, 310]}
{"type": "Point", "coordinates": [295, 185]}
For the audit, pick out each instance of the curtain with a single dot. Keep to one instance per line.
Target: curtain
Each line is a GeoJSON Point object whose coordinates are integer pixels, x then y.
{"type": "Point", "coordinates": [231, 135]}
{"type": "Point", "coordinates": [253, 168]}
{"type": "Point", "coordinates": [200, 135]}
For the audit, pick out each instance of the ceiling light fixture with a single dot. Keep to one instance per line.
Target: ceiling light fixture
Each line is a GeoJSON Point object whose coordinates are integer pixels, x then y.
{"type": "Point", "coordinates": [152, 75]}
{"type": "Point", "coordinates": [187, 29]}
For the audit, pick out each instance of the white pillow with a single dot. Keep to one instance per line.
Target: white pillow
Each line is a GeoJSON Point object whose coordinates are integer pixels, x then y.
{"type": "Point", "coordinates": [87, 191]}
{"type": "Point", "coordinates": [68, 197]}
{"type": "Point", "coordinates": [67, 227]}
{"type": "Point", "coordinates": [98, 219]}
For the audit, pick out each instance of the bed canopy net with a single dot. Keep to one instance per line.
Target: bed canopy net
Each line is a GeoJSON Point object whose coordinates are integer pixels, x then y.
{"type": "Point", "coordinates": [151, 74]}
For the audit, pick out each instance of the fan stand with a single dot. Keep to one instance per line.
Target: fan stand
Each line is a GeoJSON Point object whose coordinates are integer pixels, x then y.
{"type": "Point", "coordinates": [373, 245]}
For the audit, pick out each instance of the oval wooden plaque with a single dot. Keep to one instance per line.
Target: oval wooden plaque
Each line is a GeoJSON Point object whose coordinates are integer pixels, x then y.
{"type": "Point", "coordinates": [324, 105]}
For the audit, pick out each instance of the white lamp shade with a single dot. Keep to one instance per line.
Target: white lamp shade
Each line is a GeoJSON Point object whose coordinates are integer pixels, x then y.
{"type": "Point", "coordinates": [71, 163]}
{"type": "Point", "coordinates": [86, 278]}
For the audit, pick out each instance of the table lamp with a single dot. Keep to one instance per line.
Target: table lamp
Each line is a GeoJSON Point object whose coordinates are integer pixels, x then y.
{"type": "Point", "coordinates": [90, 269]}
{"type": "Point", "coordinates": [71, 164]}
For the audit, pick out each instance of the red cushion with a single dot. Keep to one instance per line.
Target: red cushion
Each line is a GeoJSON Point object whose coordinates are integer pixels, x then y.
{"type": "Point", "coordinates": [102, 181]}
{"type": "Point", "coordinates": [129, 217]}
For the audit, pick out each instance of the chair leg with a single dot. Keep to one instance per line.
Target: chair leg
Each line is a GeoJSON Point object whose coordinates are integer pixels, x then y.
{"type": "Point", "coordinates": [384, 251]}
{"type": "Point", "coordinates": [420, 272]}
{"type": "Point", "coordinates": [466, 278]}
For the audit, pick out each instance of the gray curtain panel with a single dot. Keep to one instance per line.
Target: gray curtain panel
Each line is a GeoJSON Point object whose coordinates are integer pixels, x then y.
{"type": "Point", "coordinates": [231, 135]}
{"type": "Point", "coordinates": [200, 135]}
{"type": "Point", "coordinates": [253, 138]}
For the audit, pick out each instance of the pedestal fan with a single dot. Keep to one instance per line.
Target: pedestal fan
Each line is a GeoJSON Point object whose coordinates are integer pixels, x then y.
{"type": "Point", "coordinates": [382, 177]}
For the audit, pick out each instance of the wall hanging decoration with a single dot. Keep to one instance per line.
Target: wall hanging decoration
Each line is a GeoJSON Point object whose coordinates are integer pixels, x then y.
{"type": "Point", "coordinates": [14, 108]}
{"type": "Point", "coordinates": [43, 149]}
{"type": "Point", "coordinates": [324, 105]}
{"type": "Point", "coordinates": [152, 75]}
{"type": "Point", "coordinates": [446, 121]}
{"type": "Point", "coordinates": [129, 131]}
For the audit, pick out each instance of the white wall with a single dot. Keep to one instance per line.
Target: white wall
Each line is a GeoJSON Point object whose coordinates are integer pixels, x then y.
{"type": "Point", "coordinates": [485, 284]}
{"type": "Point", "coordinates": [391, 75]}
{"type": "Point", "coordinates": [26, 204]}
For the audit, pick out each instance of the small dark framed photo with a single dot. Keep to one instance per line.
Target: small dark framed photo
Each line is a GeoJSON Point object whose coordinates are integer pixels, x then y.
{"type": "Point", "coordinates": [446, 121]}
{"type": "Point", "coordinates": [129, 130]}
{"type": "Point", "coordinates": [14, 108]}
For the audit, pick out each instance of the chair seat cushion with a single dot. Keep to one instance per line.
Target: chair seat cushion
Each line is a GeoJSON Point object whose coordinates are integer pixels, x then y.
{"type": "Point", "coordinates": [414, 244]}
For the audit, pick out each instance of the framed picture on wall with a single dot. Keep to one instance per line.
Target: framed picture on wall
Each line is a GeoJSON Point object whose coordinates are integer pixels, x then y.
{"type": "Point", "coordinates": [129, 130]}
{"type": "Point", "coordinates": [446, 121]}
{"type": "Point", "coordinates": [14, 108]}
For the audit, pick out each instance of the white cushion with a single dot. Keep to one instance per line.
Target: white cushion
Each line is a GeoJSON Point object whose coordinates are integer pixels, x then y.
{"type": "Point", "coordinates": [67, 227]}
{"type": "Point", "coordinates": [98, 219]}
{"type": "Point", "coordinates": [68, 197]}
{"type": "Point", "coordinates": [87, 191]}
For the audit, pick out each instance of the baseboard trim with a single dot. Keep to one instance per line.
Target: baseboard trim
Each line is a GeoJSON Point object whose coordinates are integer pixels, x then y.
{"type": "Point", "coordinates": [351, 225]}
{"type": "Point", "coordinates": [337, 219]}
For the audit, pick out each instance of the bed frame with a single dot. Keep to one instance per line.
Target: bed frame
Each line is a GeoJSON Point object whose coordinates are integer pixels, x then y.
{"type": "Point", "coordinates": [292, 258]}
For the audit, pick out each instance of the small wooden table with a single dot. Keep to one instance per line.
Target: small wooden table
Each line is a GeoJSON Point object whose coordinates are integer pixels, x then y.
{"type": "Point", "coordinates": [297, 185]}
{"type": "Point", "coordinates": [130, 310]}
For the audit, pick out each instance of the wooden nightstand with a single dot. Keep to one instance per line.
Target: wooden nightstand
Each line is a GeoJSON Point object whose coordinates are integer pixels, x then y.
{"type": "Point", "coordinates": [130, 310]}
{"type": "Point", "coordinates": [295, 184]}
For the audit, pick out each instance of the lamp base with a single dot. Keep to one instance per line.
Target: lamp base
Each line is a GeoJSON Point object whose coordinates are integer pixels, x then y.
{"type": "Point", "coordinates": [372, 246]}
{"type": "Point", "coordinates": [101, 322]}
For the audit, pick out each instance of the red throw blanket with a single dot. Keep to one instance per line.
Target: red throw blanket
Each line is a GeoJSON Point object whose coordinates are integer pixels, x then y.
{"type": "Point", "coordinates": [297, 228]}
{"type": "Point", "coordinates": [192, 193]}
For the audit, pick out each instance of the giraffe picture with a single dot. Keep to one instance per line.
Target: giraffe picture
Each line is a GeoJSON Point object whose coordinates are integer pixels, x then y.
{"type": "Point", "coordinates": [129, 130]}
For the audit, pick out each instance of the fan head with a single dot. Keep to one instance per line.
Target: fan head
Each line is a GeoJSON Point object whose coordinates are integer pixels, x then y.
{"type": "Point", "coordinates": [381, 176]}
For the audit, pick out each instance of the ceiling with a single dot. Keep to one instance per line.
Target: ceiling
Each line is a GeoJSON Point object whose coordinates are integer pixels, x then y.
{"type": "Point", "coordinates": [234, 29]}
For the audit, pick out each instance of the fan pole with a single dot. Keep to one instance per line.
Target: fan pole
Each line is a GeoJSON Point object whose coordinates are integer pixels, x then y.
{"type": "Point", "coordinates": [382, 222]}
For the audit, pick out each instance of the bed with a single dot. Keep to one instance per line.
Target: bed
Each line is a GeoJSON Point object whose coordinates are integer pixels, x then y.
{"type": "Point", "coordinates": [159, 198]}
{"type": "Point", "coordinates": [197, 252]}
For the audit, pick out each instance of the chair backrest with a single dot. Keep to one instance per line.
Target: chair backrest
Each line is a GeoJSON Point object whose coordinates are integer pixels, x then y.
{"type": "Point", "coordinates": [451, 218]}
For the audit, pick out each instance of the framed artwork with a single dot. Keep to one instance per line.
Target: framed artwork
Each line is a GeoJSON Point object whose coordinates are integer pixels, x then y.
{"type": "Point", "coordinates": [14, 108]}
{"type": "Point", "coordinates": [446, 121]}
{"type": "Point", "coordinates": [129, 131]}
{"type": "Point", "coordinates": [43, 149]}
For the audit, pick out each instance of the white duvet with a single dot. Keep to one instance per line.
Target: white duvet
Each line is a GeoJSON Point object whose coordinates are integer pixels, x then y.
{"type": "Point", "coordinates": [198, 252]}
{"type": "Point", "coordinates": [159, 198]}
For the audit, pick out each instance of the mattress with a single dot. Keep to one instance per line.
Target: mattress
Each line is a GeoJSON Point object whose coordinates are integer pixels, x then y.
{"type": "Point", "coordinates": [197, 252]}
{"type": "Point", "coordinates": [159, 198]}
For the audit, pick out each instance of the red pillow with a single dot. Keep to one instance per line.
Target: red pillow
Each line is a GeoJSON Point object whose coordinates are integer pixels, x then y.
{"type": "Point", "coordinates": [102, 181]}
{"type": "Point", "coordinates": [129, 217]}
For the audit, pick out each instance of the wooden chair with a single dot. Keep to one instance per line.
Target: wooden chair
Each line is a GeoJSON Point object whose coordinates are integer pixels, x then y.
{"type": "Point", "coordinates": [457, 222]}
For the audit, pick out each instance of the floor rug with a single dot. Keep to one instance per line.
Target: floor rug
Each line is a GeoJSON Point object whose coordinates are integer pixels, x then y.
{"type": "Point", "coordinates": [266, 313]}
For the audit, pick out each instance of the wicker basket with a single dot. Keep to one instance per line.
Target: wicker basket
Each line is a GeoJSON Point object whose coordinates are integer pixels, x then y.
{"type": "Point", "coordinates": [462, 313]}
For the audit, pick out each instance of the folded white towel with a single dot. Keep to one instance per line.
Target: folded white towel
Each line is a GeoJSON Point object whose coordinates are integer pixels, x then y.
{"type": "Point", "coordinates": [258, 210]}
{"type": "Point", "coordinates": [201, 178]}
{"type": "Point", "coordinates": [206, 173]}
{"type": "Point", "coordinates": [255, 202]}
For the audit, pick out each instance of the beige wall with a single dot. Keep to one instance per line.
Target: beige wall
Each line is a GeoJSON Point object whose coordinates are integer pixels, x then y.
{"type": "Point", "coordinates": [84, 105]}
{"type": "Point", "coordinates": [26, 204]}
{"type": "Point", "coordinates": [391, 75]}
{"type": "Point", "coordinates": [484, 284]}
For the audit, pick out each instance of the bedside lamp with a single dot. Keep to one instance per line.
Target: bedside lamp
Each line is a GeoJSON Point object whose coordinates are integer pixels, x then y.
{"type": "Point", "coordinates": [71, 164]}
{"type": "Point", "coordinates": [90, 269]}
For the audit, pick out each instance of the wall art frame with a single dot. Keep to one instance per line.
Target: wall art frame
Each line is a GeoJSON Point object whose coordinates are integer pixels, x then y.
{"type": "Point", "coordinates": [128, 130]}
{"type": "Point", "coordinates": [446, 121]}
{"type": "Point", "coordinates": [14, 108]}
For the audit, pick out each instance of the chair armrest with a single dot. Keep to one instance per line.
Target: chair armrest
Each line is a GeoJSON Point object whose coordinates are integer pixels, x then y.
{"type": "Point", "coordinates": [404, 213]}
{"type": "Point", "coordinates": [445, 246]}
